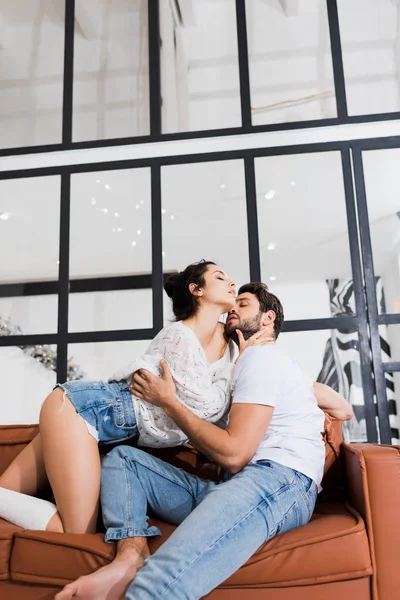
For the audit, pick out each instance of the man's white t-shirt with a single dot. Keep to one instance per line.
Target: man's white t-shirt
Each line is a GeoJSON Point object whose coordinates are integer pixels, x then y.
{"type": "Point", "coordinates": [267, 375]}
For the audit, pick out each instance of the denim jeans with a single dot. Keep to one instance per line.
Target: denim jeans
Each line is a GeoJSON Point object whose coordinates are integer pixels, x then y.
{"type": "Point", "coordinates": [221, 525]}
{"type": "Point", "coordinates": [107, 408]}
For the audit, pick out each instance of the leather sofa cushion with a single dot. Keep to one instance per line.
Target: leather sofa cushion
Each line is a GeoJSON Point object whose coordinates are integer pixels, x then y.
{"type": "Point", "coordinates": [333, 546]}
{"type": "Point", "coordinates": [13, 439]}
{"type": "Point", "coordinates": [7, 531]}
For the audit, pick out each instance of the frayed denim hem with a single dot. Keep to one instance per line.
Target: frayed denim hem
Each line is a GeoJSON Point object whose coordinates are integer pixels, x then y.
{"type": "Point", "coordinates": [114, 535]}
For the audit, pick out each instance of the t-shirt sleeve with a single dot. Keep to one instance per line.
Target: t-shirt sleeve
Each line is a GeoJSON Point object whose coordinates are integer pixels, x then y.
{"type": "Point", "coordinates": [257, 377]}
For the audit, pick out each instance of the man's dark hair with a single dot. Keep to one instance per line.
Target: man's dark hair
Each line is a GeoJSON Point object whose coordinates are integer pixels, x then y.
{"type": "Point", "coordinates": [184, 303]}
{"type": "Point", "coordinates": [267, 302]}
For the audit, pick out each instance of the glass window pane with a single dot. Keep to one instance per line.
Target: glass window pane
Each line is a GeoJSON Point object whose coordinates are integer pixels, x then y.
{"type": "Point", "coordinates": [99, 361]}
{"type": "Point", "coordinates": [390, 351]}
{"type": "Point", "coordinates": [167, 308]}
{"type": "Point", "coordinates": [304, 248]}
{"type": "Point", "coordinates": [395, 377]}
{"type": "Point", "coordinates": [111, 70]}
{"type": "Point", "coordinates": [110, 236]}
{"type": "Point", "coordinates": [332, 357]}
{"type": "Point", "coordinates": [29, 239]}
{"type": "Point", "coordinates": [31, 72]}
{"type": "Point", "coordinates": [382, 180]}
{"type": "Point", "coordinates": [117, 309]}
{"type": "Point", "coordinates": [390, 342]}
{"type": "Point", "coordinates": [368, 31]}
{"type": "Point", "coordinates": [30, 314]}
{"type": "Point", "coordinates": [204, 216]}
{"type": "Point", "coordinates": [199, 66]}
{"type": "Point", "coordinates": [27, 376]}
{"type": "Point", "coordinates": [291, 74]}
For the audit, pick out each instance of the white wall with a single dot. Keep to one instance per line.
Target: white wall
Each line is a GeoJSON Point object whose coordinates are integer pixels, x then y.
{"type": "Point", "coordinates": [24, 384]}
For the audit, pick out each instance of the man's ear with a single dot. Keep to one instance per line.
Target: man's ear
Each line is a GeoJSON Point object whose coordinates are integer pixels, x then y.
{"type": "Point", "coordinates": [268, 318]}
{"type": "Point", "coordinates": [195, 290]}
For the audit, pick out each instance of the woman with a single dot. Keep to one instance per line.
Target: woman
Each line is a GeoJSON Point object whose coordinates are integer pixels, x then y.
{"type": "Point", "coordinates": [201, 362]}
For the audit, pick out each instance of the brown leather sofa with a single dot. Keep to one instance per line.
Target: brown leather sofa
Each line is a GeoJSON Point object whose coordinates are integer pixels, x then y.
{"type": "Point", "coordinates": [349, 550]}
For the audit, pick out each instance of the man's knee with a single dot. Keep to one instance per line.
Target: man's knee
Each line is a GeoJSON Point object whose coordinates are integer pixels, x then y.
{"type": "Point", "coordinates": [122, 453]}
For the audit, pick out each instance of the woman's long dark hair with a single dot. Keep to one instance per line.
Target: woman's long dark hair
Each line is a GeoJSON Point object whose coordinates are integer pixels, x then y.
{"type": "Point", "coordinates": [184, 303]}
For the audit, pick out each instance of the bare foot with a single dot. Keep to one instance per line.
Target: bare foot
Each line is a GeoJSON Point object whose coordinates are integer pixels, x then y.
{"type": "Point", "coordinates": [108, 583]}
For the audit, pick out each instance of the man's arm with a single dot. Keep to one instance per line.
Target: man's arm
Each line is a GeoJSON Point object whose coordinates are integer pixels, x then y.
{"type": "Point", "coordinates": [232, 448]}
{"type": "Point", "coordinates": [332, 402]}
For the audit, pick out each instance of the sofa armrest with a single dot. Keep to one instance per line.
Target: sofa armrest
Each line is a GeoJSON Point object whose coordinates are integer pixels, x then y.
{"type": "Point", "coordinates": [373, 485]}
{"type": "Point", "coordinates": [13, 439]}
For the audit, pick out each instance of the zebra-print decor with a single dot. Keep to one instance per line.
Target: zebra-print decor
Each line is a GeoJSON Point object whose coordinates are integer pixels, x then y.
{"type": "Point", "coordinates": [341, 361]}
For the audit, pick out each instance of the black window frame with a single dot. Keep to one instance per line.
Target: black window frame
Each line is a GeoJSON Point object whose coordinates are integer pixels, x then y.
{"type": "Point", "coordinates": [155, 93]}
{"type": "Point", "coordinates": [372, 368]}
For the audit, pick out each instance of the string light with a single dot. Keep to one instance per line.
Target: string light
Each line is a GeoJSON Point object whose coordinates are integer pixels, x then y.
{"type": "Point", "coordinates": [41, 353]}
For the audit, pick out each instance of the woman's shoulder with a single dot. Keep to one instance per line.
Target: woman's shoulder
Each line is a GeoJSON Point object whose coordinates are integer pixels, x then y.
{"type": "Point", "coordinates": [173, 330]}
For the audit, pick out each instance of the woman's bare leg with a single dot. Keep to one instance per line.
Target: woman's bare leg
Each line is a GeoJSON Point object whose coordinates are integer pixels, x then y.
{"type": "Point", "coordinates": [72, 462]}
{"type": "Point", "coordinates": [26, 474]}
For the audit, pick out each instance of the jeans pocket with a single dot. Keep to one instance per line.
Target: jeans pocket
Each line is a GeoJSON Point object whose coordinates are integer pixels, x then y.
{"type": "Point", "coordinates": [290, 520]}
{"type": "Point", "coordinates": [311, 498]}
{"type": "Point", "coordinates": [308, 494]}
{"type": "Point", "coordinates": [123, 413]}
{"type": "Point", "coordinates": [305, 481]}
{"type": "Point", "coordinates": [284, 475]}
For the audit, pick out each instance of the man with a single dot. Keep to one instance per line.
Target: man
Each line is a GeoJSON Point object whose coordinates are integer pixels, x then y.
{"type": "Point", "coordinates": [273, 455]}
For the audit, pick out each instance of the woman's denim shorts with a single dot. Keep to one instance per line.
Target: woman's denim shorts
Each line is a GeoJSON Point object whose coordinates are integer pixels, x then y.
{"type": "Point", "coordinates": [107, 408]}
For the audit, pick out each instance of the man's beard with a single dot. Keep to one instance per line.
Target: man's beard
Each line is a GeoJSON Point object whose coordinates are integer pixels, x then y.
{"type": "Point", "coordinates": [247, 326]}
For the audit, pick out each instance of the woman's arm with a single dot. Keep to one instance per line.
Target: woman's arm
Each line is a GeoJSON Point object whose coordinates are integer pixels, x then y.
{"type": "Point", "coordinates": [233, 448]}
{"type": "Point", "coordinates": [332, 402]}
{"type": "Point", "coordinates": [206, 396]}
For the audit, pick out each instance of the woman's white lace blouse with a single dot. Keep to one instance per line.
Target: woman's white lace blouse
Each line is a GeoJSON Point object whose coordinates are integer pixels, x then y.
{"type": "Point", "coordinates": [202, 387]}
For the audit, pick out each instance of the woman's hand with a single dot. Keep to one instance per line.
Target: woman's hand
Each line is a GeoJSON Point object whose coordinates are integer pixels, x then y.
{"type": "Point", "coordinates": [159, 391]}
{"type": "Point", "coordinates": [260, 338]}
